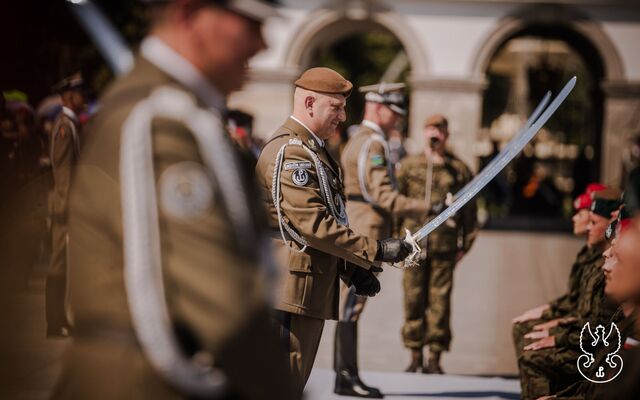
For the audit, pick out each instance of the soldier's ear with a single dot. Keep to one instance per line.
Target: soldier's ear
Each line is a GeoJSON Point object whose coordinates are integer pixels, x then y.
{"type": "Point", "coordinates": [308, 102]}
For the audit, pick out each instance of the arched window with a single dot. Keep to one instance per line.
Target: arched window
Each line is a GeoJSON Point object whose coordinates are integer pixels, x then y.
{"type": "Point", "coordinates": [536, 190]}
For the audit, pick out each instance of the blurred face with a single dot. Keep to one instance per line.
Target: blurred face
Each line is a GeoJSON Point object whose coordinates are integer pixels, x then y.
{"type": "Point", "coordinates": [327, 112]}
{"type": "Point", "coordinates": [223, 44]}
{"type": "Point", "coordinates": [627, 253]}
{"type": "Point", "coordinates": [595, 229]}
{"type": "Point", "coordinates": [435, 137]}
{"type": "Point", "coordinates": [74, 99]}
{"type": "Point", "coordinates": [388, 119]}
{"type": "Point", "coordinates": [580, 221]}
{"type": "Point", "coordinates": [612, 280]}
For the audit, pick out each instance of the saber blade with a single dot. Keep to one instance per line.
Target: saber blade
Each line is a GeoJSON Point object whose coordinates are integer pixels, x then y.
{"type": "Point", "coordinates": [503, 158]}
{"type": "Point", "coordinates": [109, 42]}
{"type": "Point", "coordinates": [504, 153]}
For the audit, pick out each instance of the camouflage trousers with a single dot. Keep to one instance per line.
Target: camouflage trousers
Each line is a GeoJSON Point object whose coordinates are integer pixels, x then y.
{"type": "Point", "coordinates": [427, 303]}
{"type": "Point", "coordinates": [547, 371]}
{"type": "Point", "coordinates": [521, 329]}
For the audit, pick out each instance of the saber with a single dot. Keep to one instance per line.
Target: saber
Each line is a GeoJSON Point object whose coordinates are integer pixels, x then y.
{"type": "Point", "coordinates": [505, 151]}
{"type": "Point", "coordinates": [487, 174]}
{"type": "Point", "coordinates": [110, 44]}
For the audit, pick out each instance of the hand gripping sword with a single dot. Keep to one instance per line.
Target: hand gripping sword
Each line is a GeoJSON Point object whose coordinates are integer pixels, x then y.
{"type": "Point", "coordinates": [508, 153]}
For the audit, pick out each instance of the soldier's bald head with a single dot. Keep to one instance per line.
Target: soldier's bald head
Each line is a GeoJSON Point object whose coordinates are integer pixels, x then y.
{"type": "Point", "coordinates": [319, 100]}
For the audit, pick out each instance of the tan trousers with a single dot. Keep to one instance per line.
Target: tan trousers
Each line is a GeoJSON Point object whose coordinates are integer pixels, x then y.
{"type": "Point", "coordinates": [301, 336]}
{"type": "Point", "coordinates": [56, 285]}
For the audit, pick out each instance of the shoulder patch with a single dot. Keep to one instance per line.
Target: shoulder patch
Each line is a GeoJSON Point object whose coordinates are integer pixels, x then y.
{"type": "Point", "coordinates": [377, 160]}
{"type": "Point", "coordinates": [295, 141]}
{"type": "Point", "coordinates": [186, 191]}
{"type": "Point", "coordinates": [300, 177]}
{"type": "Point", "coordinates": [297, 165]}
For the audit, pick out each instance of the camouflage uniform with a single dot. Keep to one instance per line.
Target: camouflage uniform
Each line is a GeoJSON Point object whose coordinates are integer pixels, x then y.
{"type": "Point", "coordinates": [428, 287]}
{"type": "Point", "coordinates": [563, 306]}
{"type": "Point", "coordinates": [546, 371]}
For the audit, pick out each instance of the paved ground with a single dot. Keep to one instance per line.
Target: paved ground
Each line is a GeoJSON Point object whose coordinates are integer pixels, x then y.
{"type": "Point", "coordinates": [505, 274]}
{"type": "Point", "coordinates": [399, 386]}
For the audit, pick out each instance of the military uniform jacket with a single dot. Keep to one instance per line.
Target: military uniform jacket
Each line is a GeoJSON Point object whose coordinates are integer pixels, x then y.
{"type": "Point", "coordinates": [457, 233]}
{"type": "Point", "coordinates": [213, 288]}
{"type": "Point", "coordinates": [64, 149]}
{"type": "Point", "coordinates": [372, 195]}
{"type": "Point", "coordinates": [309, 276]}
{"type": "Point", "coordinates": [567, 303]}
{"type": "Point", "coordinates": [592, 305]}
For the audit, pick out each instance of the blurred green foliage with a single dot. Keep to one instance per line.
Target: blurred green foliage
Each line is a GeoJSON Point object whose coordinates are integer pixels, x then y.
{"type": "Point", "coordinates": [363, 59]}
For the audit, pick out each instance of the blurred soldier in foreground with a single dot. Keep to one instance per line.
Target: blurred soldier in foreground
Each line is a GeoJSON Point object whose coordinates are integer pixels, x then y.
{"type": "Point", "coordinates": [435, 176]}
{"type": "Point", "coordinates": [627, 252]}
{"type": "Point", "coordinates": [168, 296]}
{"type": "Point", "coordinates": [372, 201]}
{"type": "Point", "coordinates": [303, 187]}
{"type": "Point", "coordinates": [64, 151]}
{"type": "Point", "coordinates": [563, 308]}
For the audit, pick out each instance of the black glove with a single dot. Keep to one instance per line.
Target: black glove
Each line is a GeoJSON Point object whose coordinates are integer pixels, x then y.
{"type": "Point", "coordinates": [393, 250]}
{"type": "Point", "coordinates": [365, 281]}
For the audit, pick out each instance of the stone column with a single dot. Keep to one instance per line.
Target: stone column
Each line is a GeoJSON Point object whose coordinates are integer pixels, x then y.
{"type": "Point", "coordinates": [460, 100]}
{"type": "Point", "coordinates": [621, 120]}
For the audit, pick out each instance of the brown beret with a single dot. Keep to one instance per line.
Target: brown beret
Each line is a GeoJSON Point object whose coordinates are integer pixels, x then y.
{"type": "Point", "coordinates": [607, 194]}
{"type": "Point", "coordinates": [324, 80]}
{"type": "Point", "coordinates": [437, 120]}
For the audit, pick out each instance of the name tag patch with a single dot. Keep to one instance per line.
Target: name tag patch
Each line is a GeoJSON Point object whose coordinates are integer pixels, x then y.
{"type": "Point", "coordinates": [297, 165]}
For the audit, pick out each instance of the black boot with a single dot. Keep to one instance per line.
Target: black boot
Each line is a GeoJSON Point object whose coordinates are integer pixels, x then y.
{"type": "Point", "coordinates": [416, 361]}
{"type": "Point", "coordinates": [345, 363]}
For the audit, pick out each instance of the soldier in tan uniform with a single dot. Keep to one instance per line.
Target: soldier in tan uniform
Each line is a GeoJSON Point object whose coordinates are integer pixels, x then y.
{"type": "Point", "coordinates": [372, 202]}
{"type": "Point", "coordinates": [435, 175]}
{"type": "Point", "coordinates": [167, 290]}
{"type": "Point", "coordinates": [303, 187]}
{"type": "Point", "coordinates": [64, 149]}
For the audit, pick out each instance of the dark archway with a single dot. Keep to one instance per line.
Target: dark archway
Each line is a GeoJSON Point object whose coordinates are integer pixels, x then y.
{"type": "Point", "coordinates": [536, 190]}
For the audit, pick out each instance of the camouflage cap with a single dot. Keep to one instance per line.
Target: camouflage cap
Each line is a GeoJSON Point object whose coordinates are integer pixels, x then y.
{"type": "Point", "coordinates": [324, 80]}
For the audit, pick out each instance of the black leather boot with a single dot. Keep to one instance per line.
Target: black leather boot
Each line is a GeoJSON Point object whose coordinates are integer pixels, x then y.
{"type": "Point", "coordinates": [345, 363]}
{"type": "Point", "coordinates": [416, 361]}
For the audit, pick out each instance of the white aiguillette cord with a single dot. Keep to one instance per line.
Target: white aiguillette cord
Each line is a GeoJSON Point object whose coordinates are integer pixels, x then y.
{"type": "Point", "coordinates": [141, 231]}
